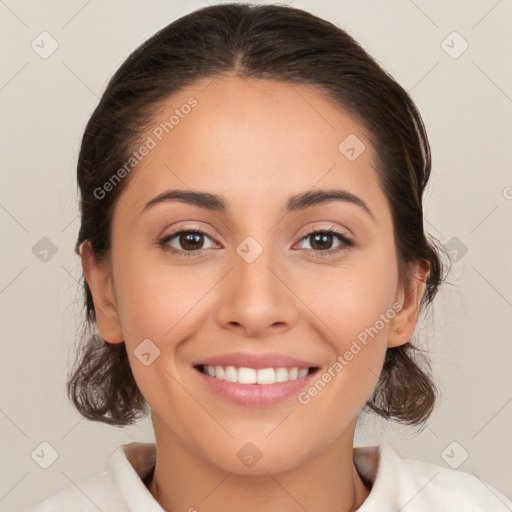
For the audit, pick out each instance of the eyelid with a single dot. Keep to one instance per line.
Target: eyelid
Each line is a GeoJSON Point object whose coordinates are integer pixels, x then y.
{"type": "Point", "coordinates": [315, 229]}
{"type": "Point", "coordinates": [186, 227]}
{"type": "Point", "coordinates": [323, 228]}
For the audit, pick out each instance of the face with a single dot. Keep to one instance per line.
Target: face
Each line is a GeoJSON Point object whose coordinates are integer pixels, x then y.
{"type": "Point", "coordinates": [317, 281]}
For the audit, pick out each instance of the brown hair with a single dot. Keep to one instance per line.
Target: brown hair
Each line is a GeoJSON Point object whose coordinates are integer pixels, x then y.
{"type": "Point", "coordinates": [271, 42]}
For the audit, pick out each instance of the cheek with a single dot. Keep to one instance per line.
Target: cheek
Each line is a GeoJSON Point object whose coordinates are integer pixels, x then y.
{"type": "Point", "coordinates": [154, 299]}
{"type": "Point", "coordinates": [353, 308]}
{"type": "Point", "coordinates": [355, 316]}
{"type": "Point", "coordinates": [158, 304]}
{"type": "Point", "coordinates": [352, 298]}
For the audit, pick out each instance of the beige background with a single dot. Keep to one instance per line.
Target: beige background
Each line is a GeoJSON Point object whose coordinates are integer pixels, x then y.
{"type": "Point", "coordinates": [466, 103]}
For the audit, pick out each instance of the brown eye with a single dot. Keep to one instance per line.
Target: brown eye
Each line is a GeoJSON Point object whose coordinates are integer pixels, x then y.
{"type": "Point", "coordinates": [191, 241]}
{"type": "Point", "coordinates": [322, 241]}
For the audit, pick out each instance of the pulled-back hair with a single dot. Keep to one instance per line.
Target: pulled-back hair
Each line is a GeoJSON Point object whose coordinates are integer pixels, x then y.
{"type": "Point", "coordinates": [270, 42]}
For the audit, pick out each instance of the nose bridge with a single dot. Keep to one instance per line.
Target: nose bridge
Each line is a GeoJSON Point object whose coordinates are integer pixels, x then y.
{"type": "Point", "coordinates": [255, 295]}
{"type": "Point", "coordinates": [253, 277]}
{"type": "Point", "coordinates": [253, 262]}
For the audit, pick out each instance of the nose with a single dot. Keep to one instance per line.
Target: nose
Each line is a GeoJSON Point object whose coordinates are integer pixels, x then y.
{"type": "Point", "coordinates": [257, 298]}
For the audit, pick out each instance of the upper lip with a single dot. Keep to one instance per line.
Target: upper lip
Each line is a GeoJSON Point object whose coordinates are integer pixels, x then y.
{"type": "Point", "coordinates": [257, 361]}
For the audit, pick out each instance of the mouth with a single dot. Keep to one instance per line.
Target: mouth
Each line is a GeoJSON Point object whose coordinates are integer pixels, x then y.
{"type": "Point", "coordinates": [247, 375]}
{"type": "Point", "coordinates": [255, 379]}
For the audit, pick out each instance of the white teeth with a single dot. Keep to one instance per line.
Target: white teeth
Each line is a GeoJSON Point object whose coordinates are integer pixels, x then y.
{"type": "Point", "coordinates": [244, 375]}
{"type": "Point", "coordinates": [265, 375]}
{"type": "Point", "coordinates": [219, 372]}
{"type": "Point", "coordinates": [230, 374]}
{"type": "Point", "coordinates": [281, 375]}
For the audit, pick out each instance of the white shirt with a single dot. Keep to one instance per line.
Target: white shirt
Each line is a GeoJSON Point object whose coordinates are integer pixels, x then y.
{"type": "Point", "coordinates": [398, 484]}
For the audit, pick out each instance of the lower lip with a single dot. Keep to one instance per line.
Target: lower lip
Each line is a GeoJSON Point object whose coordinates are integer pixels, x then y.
{"type": "Point", "coordinates": [255, 394]}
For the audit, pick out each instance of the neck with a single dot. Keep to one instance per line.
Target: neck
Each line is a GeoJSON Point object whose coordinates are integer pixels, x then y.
{"type": "Point", "coordinates": [183, 480]}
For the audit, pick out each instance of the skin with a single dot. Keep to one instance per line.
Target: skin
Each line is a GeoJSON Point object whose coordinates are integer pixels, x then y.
{"type": "Point", "coordinates": [255, 142]}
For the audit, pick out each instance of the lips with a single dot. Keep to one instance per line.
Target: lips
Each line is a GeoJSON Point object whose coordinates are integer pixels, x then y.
{"type": "Point", "coordinates": [250, 379]}
{"type": "Point", "coordinates": [256, 361]}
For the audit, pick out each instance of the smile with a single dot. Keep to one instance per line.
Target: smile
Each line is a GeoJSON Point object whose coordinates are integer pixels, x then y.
{"type": "Point", "coordinates": [245, 375]}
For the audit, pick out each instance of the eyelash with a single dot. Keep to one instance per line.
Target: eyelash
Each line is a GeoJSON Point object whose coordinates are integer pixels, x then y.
{"type": "Point", "coordinates": [347, 242]}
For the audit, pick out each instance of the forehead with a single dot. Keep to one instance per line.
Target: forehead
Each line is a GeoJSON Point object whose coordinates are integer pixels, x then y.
{"type": "Point", "coordinates": [253, 141]}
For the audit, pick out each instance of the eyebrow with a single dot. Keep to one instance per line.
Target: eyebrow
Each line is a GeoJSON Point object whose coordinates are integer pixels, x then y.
{"type": "Point", "coordinates": [218, 203]}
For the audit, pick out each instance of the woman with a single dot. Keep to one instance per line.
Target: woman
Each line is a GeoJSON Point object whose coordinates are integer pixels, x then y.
{"type": "Point", "coordinates": [255, 263]}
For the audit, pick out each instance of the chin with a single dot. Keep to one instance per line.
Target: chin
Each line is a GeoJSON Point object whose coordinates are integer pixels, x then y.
{"type": "Point", "coordinates": [256, 458]}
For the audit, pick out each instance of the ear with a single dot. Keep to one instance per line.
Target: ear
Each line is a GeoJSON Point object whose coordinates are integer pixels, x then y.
{"type": "Point", "coordinates": [402, 326]}
{"type": "Point", "coordinates": [99, 279]}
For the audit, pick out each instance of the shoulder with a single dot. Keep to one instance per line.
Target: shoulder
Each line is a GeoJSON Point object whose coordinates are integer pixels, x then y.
{"type": "Point", "coordinates": [441, 488]}
{"type": "Point", "coordinates": [415, 486]}
{"type": "Point", "coordinates": [110, 490]}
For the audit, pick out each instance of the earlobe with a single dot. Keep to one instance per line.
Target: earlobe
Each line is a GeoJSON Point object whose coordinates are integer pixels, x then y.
{"type": "Point", "coordinates": [410, 294]}
{"type": "Point", "coordinates": [98, 277]}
